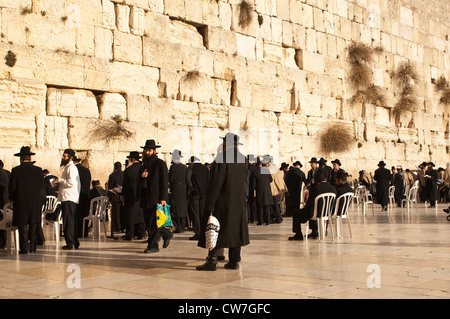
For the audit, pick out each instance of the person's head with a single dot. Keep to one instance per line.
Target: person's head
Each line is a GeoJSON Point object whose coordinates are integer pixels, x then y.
{"type": "Point", "coordinates": [320, 176]}
{"type": "Point", "coordinates": [117, 166]}
{"type": "Point", "coordinates": [313, 162]}
{"type": "Point", "coordinates": [336, 164]}
{"type": "Point", "coordinates": [95, 183]}
{"type": "Point", "coordinates": [67, 157]}
{"type": "Point", "coordinates": [25, 154]}
{"type": "Point", "coordinates": [133, 157]}
{"type": "Point", "coordinates": [430, 165]}
{"type": "Point", "coordinates": [341, 177]}
{"type": "Point", "coordinates": [45, 172]}
{"type": "Point", "coordinates": [149, 149]}
{"type": "Point", "coordinates": [297, 164]}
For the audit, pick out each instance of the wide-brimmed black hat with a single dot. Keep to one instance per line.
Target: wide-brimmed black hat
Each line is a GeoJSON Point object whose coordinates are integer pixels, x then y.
{"type": "Point", "coordinates": [297, 163]}
{"type": "Point", "coordinates": [231, 137]}
{"type": "Point", "coordinates": [322, 161]}
{"type": "Point", "coordinates": [337, 162]}
{"type": "Point", "coordinates": [424, 164]}
{"type": "Point", "coordinates": [431, 163]}
{"type": "Point", "coordinates": [24, 150]}
{"type": "Point", "coordinates": [313, 160]}
{"type": "Point", "coordinates": [381, 163]}
{"type": "Point", "coordinates": [135, 155]}
{"type": "Point", "coordinates": [194, 159]}
{"type": "Point", "coordinates": [284, 165]}
{"type": "Point", "coordinates": [150, 144]}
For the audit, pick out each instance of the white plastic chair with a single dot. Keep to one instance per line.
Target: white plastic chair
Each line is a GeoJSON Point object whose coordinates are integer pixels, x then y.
{"type": "Point", "coordinates": [364, 198]}
{"type": "Point", "coordinates": [326, 211]}
{"type": "Point", "coordinates": [6, 225]}
{"type": "Point", "coordinates": [345, 200]}
{"type": "Point", "coordinates": [97, 212]}
{"type": "Point", "coordinates": [392, 196]}
{"type": "Point", "coordinates": [50, 207]}
{"type": "Point", "coordinates": [411, 198]}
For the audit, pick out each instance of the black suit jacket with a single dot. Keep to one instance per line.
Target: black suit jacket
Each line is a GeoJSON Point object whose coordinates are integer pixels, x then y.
{"type": "Point", "coordinates": [307, 212]}
{"type": "Point", "coordinates": [26, 189]}
{"type": "Point", "coordinates": [155, 187]}
{"type": "Point", "coordinates": [115, 180]}
{"type": "Point", "coordinates": [341, 189]}
{"type": "Point", "coordinates": [197, 179]}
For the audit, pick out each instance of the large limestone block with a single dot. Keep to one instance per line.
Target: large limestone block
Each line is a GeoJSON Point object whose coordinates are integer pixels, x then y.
{"type": "Point", "coordinates": [310, 61]}
{"type": "Point", "coordinates": [108, 14]}
{"type": "Point", "coordinates": [123, 18]}
{"type": "Point", "coordinates": [310, 104]}
{"type": "Point", "coordinates": [225, 13]}
{"type": "Point", "coordinates": [158, 53]}
{"type": "Point", "coordinates": [17, 130]}
{"type": "Point", "coordinates": [137, 20]}
{"type": "Point", "coordinates": [71, 102]}
{"type": "Point", "coordinates": [242, 94]}
{"type": "Point", "coordinates": [230, 68]}
{"type": "Point", "coordinates": [112, 104]}
{"type": "Point", "coordinates": [286, 123]}
{"type": "Point", "coordinates": [169, 83]}
{"type": "Point", "coordinates": [85, 44]}
{"type": "Point", "coordinates": [220, 40]}
{"type": "Point", "coordinates": [300, 124]}
{"type": "Point", "coordinates": [211, 115]}
{"type": "Point", "coordinates": [22, 96]}
{"type": "Point", "coordinates": [51, 132]}
{"type": "Point", "coordinates": [127, 48]}
{"type": "Point", "coordinates": [209, 11]}
{"type": "Point", "coordinates": [156, 24]}
{"type": "Point", "coordinates": [103, 43]}
{"type": "Point", "coordinates": [246, 46]}
{"type": "Point", "coordinates": [195, 87]}
{"type": "Point", "coordinates": [185, 113]}
{"type": "Point", "coordinates": [138, 108]}
{"type": "Point", "coordinates": [156, 5]}
{"type": "Point", "coordinates": [162, 112]}
{"type": "Point", "coordinates": [96, 74]}
{"type": "Point", "coordinates": [273, 53]}
{"type": "Point", "coordinates": [250, 27]}
{"type": "Point", "coordinates": [237, 118]}
{"type": "Point", "coordinates": [135, 79]}
{"type": "Point", "coordinates": [221, 92]}
{"type": "Point", "coordinates": [175, 8]}
{"type": "Point", "coordinates": [183, 33]}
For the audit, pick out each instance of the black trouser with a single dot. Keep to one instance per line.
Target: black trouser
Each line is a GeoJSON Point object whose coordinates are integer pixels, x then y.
{"type": "Point", "coordinates": [196, 208]}
{"type": "Point", "coordinates": [251, 209]}
{"type": "Point", "coordinates": [264, 214]}
{"type": "Point", "coordinates": [154, 233]}
{"type": "Point", "coordinates": [28, 236]}
{"type": "Point", "coordinates": [234, 254]}
{"type": "Point", "coordinates": [70, 223]}
{"type": "Point", "coordinates": [115, 215]}
{"type": "Point", "coordinates": [276, 209]}
{"type": "Point", "coordinates": [299, 217]}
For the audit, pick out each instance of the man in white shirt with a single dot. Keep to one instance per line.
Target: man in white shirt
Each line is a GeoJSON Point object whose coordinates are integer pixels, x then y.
{"type": "Point", "coordinates": [68, 195]}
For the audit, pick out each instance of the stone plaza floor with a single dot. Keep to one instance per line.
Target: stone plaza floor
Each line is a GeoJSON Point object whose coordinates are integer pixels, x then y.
{"type": "Point", "coordinates": [391, 255]}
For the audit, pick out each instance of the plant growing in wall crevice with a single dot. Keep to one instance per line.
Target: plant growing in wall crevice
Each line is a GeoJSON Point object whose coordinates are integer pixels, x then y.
{"type": "Point", "coordinates": [110, 130]}
{"type": "Point", "coordinates": [442, 86]}
{"type": "Point", "coordinates": [245, 13]}
{"type": "Point", "coordinates": [360, 56]}
{"type": "Point", "coordinates": [336, 138]}
{"type": "Point", "coordinates": [405, 77]}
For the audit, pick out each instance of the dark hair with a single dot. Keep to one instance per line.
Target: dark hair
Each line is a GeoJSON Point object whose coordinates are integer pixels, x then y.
{"type": "Point", "coordinates": [45, 171]}
{"type": "Point", "coordinates": [342, 176]}
{"type": "Point", "coordinates": [320, 176]}
{"type": "Point", "coordinates": [117, 166]}
{"type": "Point", "coordinates": [95, 183]}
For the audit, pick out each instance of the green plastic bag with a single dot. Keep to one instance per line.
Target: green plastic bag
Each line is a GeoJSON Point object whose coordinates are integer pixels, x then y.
{"type": "Point", "coordinates": [163, 218]}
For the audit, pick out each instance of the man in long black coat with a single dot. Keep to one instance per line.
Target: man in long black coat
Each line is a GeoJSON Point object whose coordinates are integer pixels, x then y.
{"type": "Point", "coordinates": [342, 187]}
{"type": "Point", "coordinates": [154, 189]}
{"type": "Point", "coordinates": [431, 188]}
{"type": "Point", "coordinates": [320, 186]}
{"type": "Point", "coordinates": [251, 200]}
{"type": "Point", "coordinates": [264, 199]}
{"type": "Point", "coordinates": [115, 182]}
{"type": "Point", "coordinates": [26, 190]}
{"type": "Point", "coordinates": [226, 200]}
{"type": "Point", "coordinates": [399, 184]}
{"type": "Point", "coordinates": [382, 176]}
{"type": "Point", "coordinates": [178, 192]}
{"type": "Point", "coordinates": [84, 201]}
{"type": "Point", "coordinates": [295, 178]}
{"type": "Point", "coordinates": [197, 180]}
{"type": "Point", "coordinates": [131, 191]}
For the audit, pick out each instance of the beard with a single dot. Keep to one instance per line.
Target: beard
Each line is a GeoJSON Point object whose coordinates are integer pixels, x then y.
{"type": "Point", "coordinates": [148, 160]}
{"type": "Point", "coordinates": [64, 162]}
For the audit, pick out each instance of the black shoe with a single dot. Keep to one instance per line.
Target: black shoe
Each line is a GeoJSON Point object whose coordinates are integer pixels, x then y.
{"type": "Point", "coordinates": [127, 238]}
{"type": "Point", "coordinates": [167, 241]}
{"type": "Point", "coordinates": [447, 210]}
{"type": "Point", "coordinates": [23, 252]}
{"type": "Point", "coordinates": [231, 265]}
{"type": "Point", "coordinates": [314, 235]}
{"type": "Point", "coordinates": [195, 237]}
{"type": "Point", "coordinates": [151, 250]}
{"type": "Point", "coordinates": [76, 245]}
{"type": "Point", "coordinates": [209, 265]}
{"type": "Point", "coordinates": [296, 237]}
{"type": "Point", "coordinates": [67, 247]}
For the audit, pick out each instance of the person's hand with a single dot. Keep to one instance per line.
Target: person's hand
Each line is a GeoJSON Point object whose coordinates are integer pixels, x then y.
{"type": "Point", "coordinates": [122, 198]}
{"type": "Point", "coordinates": [144, 174]}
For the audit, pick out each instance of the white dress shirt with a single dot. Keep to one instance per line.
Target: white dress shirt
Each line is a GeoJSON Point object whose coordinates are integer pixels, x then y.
{"type": "Point", "coordinates": [69, 184]}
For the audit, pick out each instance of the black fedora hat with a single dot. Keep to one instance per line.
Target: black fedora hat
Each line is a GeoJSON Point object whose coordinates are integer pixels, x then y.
{"type": "Point", "coordinates": [150, 144]}
{"type": "Point", "coordinates": [322, 161]}
{"type": "Point", "coordinates": [313, 160]}
{"type": "Point", "coordinates": [135, 155]}
{"type": "Point", "coordinates": [431, 163]}
{"type": "Point", "coordinates": [231, 137]}
{"type": "Point", "coordinates": [337, 162]}
{"type": "Point", "coordinates": [381, 163]}
{"type": "Point", "coordinates": [24, 150]}
{"type": "Point", "coordinates": [298, 163]}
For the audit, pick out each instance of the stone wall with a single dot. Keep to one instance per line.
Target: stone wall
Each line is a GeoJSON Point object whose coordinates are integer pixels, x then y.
{"type": "Point", "coordinates": [185, 72]}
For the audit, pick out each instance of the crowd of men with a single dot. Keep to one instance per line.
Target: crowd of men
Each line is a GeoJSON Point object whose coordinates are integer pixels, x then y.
{"type": "Point", "coordinates": [237, 189]}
